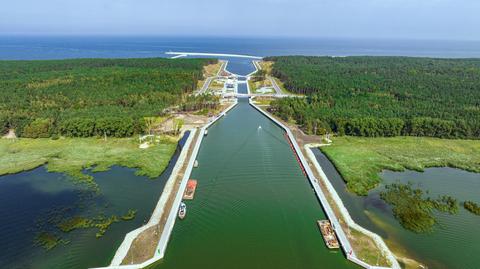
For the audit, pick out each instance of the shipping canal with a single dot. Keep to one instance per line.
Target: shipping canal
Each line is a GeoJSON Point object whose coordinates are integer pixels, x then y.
{"type": "Point", "coordinates": [454, 242]}
{"type": "Point", "coordinates": [253, 206]}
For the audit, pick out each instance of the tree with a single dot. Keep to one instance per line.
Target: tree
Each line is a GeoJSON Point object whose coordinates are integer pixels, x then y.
{"type": "Point", "coordinates": [178, 125]}
{"type": "Point", "coordinates": [39, 128]}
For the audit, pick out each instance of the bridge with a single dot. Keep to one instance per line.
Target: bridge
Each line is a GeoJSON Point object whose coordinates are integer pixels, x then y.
{"type": "Point", "coordinates": [248, 95]}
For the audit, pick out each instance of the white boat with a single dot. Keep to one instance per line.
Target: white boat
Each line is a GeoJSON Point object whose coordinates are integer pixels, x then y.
{"type": "Point", "coordinates": [206, 132]}
{"type": "Point", "coordinates": [182, 211]}
{"type": "Point", "coordinates": [195, 164]}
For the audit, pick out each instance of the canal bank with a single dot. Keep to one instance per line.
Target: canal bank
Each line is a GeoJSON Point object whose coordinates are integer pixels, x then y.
{"type": "Point", "coordinates": [147, 244]}
{"type": "Point", "coordinates": [328, 196]}
{"type": "Point", "coordinates": [235, 190]}
{"type": "Point", "coordinates": [452, 243]}
{"type": "Point", "coordinates": [29, 200]}
{"type": "Point", "coordinates": [252, 207]}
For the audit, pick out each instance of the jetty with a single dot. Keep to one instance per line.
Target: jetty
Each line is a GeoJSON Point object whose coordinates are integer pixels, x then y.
{"type": "Point", "coordinates": [190, 189]}
{"type": "Point", "coordinates": [207, 54]}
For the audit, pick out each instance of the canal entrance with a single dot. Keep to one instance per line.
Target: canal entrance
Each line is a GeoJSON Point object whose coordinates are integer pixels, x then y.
{"type": "Point", "coordinates": [253, 207]}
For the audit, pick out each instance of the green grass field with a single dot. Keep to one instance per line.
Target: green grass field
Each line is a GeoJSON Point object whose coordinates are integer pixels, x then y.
{"type": "Point", "coordinates": [360, 160]}
{"type": "Point", "coordinates": [72, 155]}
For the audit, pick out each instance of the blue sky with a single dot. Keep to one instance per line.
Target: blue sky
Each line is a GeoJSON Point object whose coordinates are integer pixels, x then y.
{"type": "Point", "coordinates": [415, 19]}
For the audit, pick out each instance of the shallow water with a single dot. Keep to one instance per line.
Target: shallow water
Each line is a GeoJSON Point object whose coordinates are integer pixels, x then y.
{"type": "Point", "coordinates": [253, 207]}
{"type": "Point", "coordinates": [27, 198]}
{"type": "Point", "coordinates": [454, 243]}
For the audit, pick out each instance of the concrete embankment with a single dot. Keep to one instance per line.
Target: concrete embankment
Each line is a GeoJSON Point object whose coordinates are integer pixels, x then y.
{"type": "Point", "coordinates": [212, 54]}
{"type": "Point", "coordinates": [346, 216]}
{"type": "Point", "coordinates": [345, 243]}
{"type": "Point", "coordinates": [167, 231]}
{"type": "Point", "coordinates": [161, 209]}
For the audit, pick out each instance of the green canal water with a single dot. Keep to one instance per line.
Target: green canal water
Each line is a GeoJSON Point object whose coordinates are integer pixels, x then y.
{"type": "Point", "coordinates": [454, 243]}
{"type": "Point", "coordinates": [253, 207]}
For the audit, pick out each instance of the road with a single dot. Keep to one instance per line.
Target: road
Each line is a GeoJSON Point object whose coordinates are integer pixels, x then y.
{"type": "Point", "coordinates": [275, 85]}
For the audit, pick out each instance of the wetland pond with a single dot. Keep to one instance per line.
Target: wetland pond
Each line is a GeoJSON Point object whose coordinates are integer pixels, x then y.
{"type": "Point", "coordinates": [31, 200]}
{"type": "Point", "coordinates": [454, 242]}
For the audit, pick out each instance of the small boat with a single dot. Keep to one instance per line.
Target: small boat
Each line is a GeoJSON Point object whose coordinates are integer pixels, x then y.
{"type": "Point", "coordinates": [328, 234]}
{"type": "Point", "coordinates": [195, 164]}
{"type": "Point", "coordinates": [206, 133]}
{"type": "Point", "coordinates": [182, 211]}
{"type": "Point", "coordinates": [259, 127]}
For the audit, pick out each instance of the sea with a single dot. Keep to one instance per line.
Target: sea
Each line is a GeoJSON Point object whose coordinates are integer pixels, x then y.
{"type": "Point", "coordinates": [61, 47]}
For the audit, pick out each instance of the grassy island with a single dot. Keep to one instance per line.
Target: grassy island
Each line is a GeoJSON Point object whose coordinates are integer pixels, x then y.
{"type": "Point", "coordinates": [413, 210]}
{"type": "Point", "coordinates": [130, 215]}
{"type": "Point", "coordinates": [102, 223]}
{"type": "Point", "coordinates": [472, 207]}
{"type": "Point", "coordinates": [48, 241]}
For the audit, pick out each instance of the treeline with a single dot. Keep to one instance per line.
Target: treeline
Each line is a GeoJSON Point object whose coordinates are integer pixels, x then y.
{"type": "Point", "coordinates": [90, 97]}
{"type": "Point", "coordinates": [200, 102]}
{"type": "Point", "coordinates": [312, 122]}
{"type": "Point", "coordinates": [381, 96]}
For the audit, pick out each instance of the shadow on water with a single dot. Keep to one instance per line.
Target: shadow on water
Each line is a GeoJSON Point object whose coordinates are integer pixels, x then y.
{"type": "Point", "coordinates": [452, 244]}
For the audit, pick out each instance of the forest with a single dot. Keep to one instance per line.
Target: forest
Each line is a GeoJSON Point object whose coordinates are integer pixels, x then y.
{"type": "Point", "coordinates": [381, 96]}
{"type": "Point", "coordinates": [92, 97]}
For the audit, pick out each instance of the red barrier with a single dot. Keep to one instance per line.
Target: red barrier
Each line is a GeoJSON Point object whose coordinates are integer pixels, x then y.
{"type": "Point", "coordinates": [296, 154]}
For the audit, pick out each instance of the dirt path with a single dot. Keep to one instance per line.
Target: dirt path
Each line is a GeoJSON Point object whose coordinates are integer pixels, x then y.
{"type": "Point", "coordinates": [143, 247]}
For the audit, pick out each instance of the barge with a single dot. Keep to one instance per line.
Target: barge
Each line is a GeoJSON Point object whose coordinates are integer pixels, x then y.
{"type": "Point", "coordinates": [328, 234]}
{"type": "Point", "coordinates": [190, 189]}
